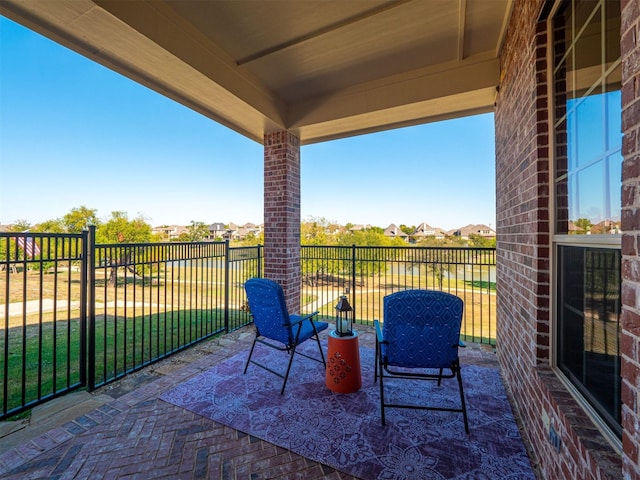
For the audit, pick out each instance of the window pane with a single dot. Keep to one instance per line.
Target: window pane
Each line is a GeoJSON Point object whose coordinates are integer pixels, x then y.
{"type": "Point", "coordinates": [580, 13]}
{"type": "Point", "coordinates": [601, 325]}
{"type": "Point", "coordinates": [614, 118]}
{"type": "Point", "coordinates": [588, 123]}
{"type": "Point", "coordinates": [588, 179]}
{"type": "Point", "coordinates": [588, 55]}
{"type": "Point", "coordinates": [612, 34]}
{"type": "Point", "coordinates": [589, 325]}
{"type": "Point", "coordinates": [590, 131]}
{"type": "Point", "coordinates": [586, 195]}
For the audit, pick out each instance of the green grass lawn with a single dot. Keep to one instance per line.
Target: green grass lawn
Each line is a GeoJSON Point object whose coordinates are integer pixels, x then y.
{"type": "Point", "coordinates": [52, 349]}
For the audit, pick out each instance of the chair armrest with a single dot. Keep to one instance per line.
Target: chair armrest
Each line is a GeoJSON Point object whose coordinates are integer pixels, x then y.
{"type": "Point", "coordinates": [302, 319]}
{"type": "Point", "coordinates": [379, 337]}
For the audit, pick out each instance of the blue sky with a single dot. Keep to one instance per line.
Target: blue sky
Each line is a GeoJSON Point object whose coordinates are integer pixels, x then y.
{"type": "Point", "coordinates": [73, 133]}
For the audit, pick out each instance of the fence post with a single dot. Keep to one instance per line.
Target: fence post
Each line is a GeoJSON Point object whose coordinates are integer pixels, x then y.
{"type": "Point", "coordinates": [259, 261]}
{"type": "Point", "coordinates": [226, 285]}
{"type": "Point", "coordinates": [353, 282]}
{"type": "Point", "coordinates": [89, 281]}
{"type": "Point", "coordinates": [84, 302]}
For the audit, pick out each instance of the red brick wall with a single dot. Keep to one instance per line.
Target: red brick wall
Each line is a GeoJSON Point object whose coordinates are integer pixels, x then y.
{"type": "Point", "coordinates": [522, 221]}
{"type": "Point", "coordinates": [523, 182]}
{"type": "Point", "coordinates": [282, 214]}
{"type": "Point", "coordinates": [630, 341]}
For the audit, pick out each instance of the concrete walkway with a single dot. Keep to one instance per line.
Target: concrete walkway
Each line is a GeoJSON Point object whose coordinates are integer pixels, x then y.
{"type": "Point", "coordinates": [17, 309]}
{"type": "Point", "coordinates": [323, 299]}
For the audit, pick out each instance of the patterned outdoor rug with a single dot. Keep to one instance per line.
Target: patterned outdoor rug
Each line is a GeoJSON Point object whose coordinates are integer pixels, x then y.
{"type": "Point", "coordinates": [344, 430]}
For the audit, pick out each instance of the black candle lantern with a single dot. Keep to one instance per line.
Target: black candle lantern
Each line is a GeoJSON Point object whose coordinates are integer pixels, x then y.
{"type": "Point", "coordinates": [344, 322]}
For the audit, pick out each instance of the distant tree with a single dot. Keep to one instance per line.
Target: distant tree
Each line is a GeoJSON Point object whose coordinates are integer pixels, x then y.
{"type": "Point", "coordinates": [80, 218]}
{"type": "Point", "coordinates": [334, 227]}
{"type": "Point", "coordinates": [407, 229]}
{"type": "Point", "coordinates": [476, 240]}
{"type": "Point", "coordinates": [50, 226]}
{"type": "Point", "coordinates": [584, 224]}
{"type": "Point", "coordinates": [119, 229]}
{"type": "Point", "coordinates": [160, 235]}
{"type": "Point", "coordinates": [252, 239]}
{"type": "Point", "coordinates": [319, 220]}
{"type": "Point", "coordinates": [452, 241]}
{"type": "Point", "coordinates": [375, 261]}
{"type": "Point", "coordinates": [197, 231]}
{"type": "Point", "coordinates": [314, 233]}
{"type": "Point", "coordinates": [19, 226]}
{"type": "Point", "coordinates": [22, 226]}
{"type": "Point", "coordinates": [371, 237]}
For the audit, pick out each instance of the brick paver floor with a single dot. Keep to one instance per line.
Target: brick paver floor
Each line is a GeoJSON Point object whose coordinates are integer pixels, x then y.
{"type": "Point", "coordinates": [138, 436]}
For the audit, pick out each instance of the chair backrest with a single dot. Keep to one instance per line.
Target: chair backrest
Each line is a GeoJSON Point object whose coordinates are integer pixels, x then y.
{"type": "Point", "coordinates": [269, 309]}
{"type": "Point", "coordinates": [422, 328]}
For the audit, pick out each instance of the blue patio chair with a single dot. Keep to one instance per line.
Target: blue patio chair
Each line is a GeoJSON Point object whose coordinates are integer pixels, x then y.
{"type": "Point", "coordinates": [277, 329]}
{"type": "Point", "coordinates": [419, 339]}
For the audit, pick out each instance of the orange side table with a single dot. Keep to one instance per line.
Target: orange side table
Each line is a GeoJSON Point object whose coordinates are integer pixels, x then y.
{"type": "Point", "coordinates": [343, 364]}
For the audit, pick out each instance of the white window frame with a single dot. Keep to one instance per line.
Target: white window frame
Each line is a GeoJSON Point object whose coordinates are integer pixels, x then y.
{"type": "Point", "coordinates": [612, 241]}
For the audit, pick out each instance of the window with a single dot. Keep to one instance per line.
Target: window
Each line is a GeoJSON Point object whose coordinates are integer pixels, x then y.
{"type": "Point", "coordinates": [588, 320]}
{"type": "Point", "coordinates": [588, 171]}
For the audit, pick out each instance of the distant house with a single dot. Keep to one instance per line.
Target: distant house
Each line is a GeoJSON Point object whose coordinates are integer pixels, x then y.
{"type": "Point", "coordinates": [252, 227]}
{"type": "Point", "coordinates": [573, 228]}
{"type": "Point", "coordinates": [424, 230]}
{"type": "Point", "coordinates": [170, 232]}
{"type": "Point", "coordinates": [242, 233]}
{"type": "Point", "coordinates": [217, 230]}
{"type": "Point", "coordinates": [606, 227]}
{"type": "Point", "coordinates": [360, 228]}
{"type": "Point", "coordinates": [248, 229]}
{"type": "Point", "coordinates": [478, 229]}
{"type": "Point", "coordinates": [233, 232]}
{"type": "Point", "coordinates": [392, 231]}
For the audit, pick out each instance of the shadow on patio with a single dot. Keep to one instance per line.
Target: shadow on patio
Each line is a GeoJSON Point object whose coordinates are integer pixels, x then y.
{"type": "Point", "coordinates": [137, 435]}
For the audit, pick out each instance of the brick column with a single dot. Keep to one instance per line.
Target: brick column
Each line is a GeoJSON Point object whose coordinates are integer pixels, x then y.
{"type": "Point", "coordinates": [282, 214]}
{"type": "Point", "coordinates": [630, 318]}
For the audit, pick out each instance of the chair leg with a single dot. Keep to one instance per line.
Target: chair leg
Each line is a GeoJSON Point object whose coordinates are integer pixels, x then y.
{"type": "Point", "coordinates": [381, 390]}
{"type": "Point", "coordinates": [321, 352]}
{"type": "Point", "coordinates": [286, 376]}
{"type": "Point", "coordinates": [250, 353]}
{"type": "Point", "coordinates": [375, 374]}
{"type": "Point", "coordinates": [464, 405]}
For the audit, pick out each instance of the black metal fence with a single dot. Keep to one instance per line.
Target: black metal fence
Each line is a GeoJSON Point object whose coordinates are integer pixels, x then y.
{"type": "Point", "coordinates": [76, 314]}
{"type": "Point", "coordinates": [80, 315]}
{"type": "Point", "coordinates": [367, 274]}
{"type": "Point", "coordinates": [151, 300]}
{"type": "Point", "coordinates": [43, 314]}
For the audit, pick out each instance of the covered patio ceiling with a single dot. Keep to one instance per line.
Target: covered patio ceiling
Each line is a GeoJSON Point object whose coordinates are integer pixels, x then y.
{"type": "Point", "coordinates": [322, 69]}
